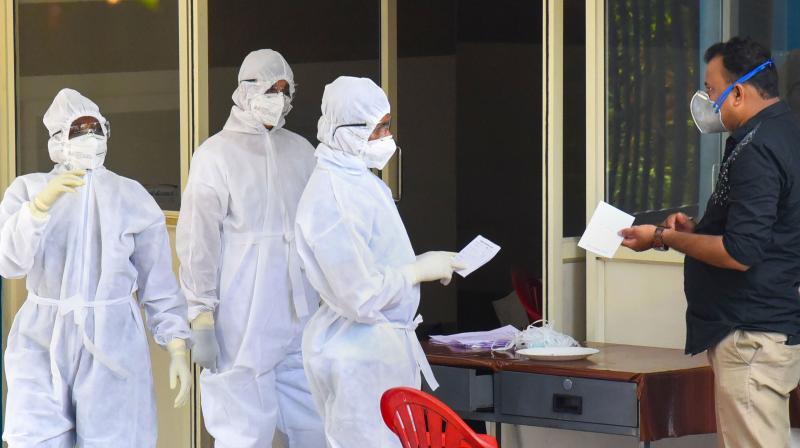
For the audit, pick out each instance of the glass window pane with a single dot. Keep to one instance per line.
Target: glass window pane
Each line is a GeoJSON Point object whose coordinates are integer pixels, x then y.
{"type": "Point", "coordinates": [320, 41]}
{"type": "Point", "coordinates": [574, 125]}
{"type": "Point", "coordinates": [773, 23]}
{"type": "Point", "coordinates": [124, 56]}
{"type": "Point", "coordinates": [654, 66]}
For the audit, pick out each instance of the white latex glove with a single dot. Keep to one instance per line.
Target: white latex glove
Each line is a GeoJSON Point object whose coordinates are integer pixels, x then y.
{"type": "Point", "coordinates": [65, 182]}
{"type": "Point", "coordinates": [434, 265]}
{"type": "Point", "coordinates": [206, 349]}
{"type": "Point", "coordinates": [179, 371]}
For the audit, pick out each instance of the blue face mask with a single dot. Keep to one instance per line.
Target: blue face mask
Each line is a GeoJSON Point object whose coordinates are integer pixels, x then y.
{"type": "Point", "coordinates": [706, 113]}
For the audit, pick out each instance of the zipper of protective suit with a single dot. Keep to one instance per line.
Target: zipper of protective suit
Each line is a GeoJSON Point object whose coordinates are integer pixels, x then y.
{"type": "Point", "coordinates": [78, 304]}
{"type": "Point", "coordinates": [299, 299]}
{"type": "Point", "coordinates": [87, 203]}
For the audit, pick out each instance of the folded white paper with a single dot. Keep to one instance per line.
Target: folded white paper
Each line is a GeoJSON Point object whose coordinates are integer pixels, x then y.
{"type": "Point", "coordinates": [476, 254]}
{"type": "Point", "coordinates": [602, 234]}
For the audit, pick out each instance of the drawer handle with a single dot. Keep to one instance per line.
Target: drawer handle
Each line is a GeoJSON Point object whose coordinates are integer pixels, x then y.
{"type": "Point", "coordinates": [567, 404]}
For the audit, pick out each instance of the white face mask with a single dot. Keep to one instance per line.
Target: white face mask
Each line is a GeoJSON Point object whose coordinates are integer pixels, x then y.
{"type": "Point", "coordinates": [55, 146]}
{"type": "Point", "coordinates": [707, 120]}
{"type": "Point", "coordinates": [86, 152]}
{"type": "Point", "coordinates": [379, 152]}
{"type": "Point", "coordinates": [270, 108]}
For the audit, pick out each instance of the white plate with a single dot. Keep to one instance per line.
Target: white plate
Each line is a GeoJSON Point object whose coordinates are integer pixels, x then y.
{"type": "Point", "coordinates": [558, 353]}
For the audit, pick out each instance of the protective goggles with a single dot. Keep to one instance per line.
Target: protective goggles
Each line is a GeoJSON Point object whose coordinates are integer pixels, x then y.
{"type": "Point", "coordinates": [286, 92]}
{"type": "Point", "coordinates": [91, 127]}
{"type": "Point", "coordinates": [378, 127]}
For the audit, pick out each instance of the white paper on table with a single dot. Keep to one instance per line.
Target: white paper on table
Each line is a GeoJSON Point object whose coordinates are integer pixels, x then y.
{"type": "Point", "coordinates": [476, 254]}
{"type": "Point", "coordinates": [602, 234]}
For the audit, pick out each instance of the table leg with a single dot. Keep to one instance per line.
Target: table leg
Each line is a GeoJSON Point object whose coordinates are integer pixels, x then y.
{"type": "Point", "coordinates": [498, 432]}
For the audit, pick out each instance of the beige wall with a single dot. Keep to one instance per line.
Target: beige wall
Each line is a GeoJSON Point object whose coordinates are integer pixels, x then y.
{"type": "Point", "coordinates": [645, 304]}
{"type": "Point", "coordinates": [573, 312]}
{"type": "Point", "coordinates": [174, 425]}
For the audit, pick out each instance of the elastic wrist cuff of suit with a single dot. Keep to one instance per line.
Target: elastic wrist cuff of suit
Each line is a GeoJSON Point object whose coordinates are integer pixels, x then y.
{"type": "Point", "coordinates": [177, 346]}
{"type": "Point", "coordinates": [36, 212]}
{"type": "Point", "coordinates": [409, 273]}
{"type": "Point", "coordinates": [203, 321]}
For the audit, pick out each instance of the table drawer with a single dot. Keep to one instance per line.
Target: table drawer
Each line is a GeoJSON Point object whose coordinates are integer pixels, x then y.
{"type": "Point", "coordinates": [465, 390]}
{"type": "Point", "coordinates": [565, 398]}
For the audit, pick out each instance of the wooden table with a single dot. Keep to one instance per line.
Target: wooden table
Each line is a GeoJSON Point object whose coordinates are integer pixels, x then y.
{"type": "Point", "coordinates": [644, 392]}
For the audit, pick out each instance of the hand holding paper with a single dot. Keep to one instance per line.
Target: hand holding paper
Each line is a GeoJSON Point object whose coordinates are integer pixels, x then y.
{"type": "Point", "coordinates": [476, 254]}
{"type": "Point", "coordinates": [639, 238]}
{"type": "Point", "coordinates": [602, 234]}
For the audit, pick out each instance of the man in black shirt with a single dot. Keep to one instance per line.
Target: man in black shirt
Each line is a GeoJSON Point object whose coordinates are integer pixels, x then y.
{"type": "Point", "coordinates": [742, 268]}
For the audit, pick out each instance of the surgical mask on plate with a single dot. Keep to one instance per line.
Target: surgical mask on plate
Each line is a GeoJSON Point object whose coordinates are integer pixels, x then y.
{"type": "Point", "coordinates": [540, 337]}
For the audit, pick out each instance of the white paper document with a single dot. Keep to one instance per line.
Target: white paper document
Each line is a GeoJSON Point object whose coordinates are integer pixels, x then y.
{"type": "Point", "coordinates": [476, 254]}
{"type": "Point", "coordinates": [602, 233]}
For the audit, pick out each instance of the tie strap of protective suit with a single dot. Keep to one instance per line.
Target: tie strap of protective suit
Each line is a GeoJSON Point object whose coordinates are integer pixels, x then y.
{"type": "Point", "coordinates": [296, 276]}
{"type": "Point", "coordinates": [417, 351]}
{"type": "Point", "coordinates": [79, 308]}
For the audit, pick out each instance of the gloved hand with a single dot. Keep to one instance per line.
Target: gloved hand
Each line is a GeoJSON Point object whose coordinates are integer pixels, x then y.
{"type": "Point", "coordinates": [179, 371]}
{"type": "Point", "coordinates": [206, 348]}
{"type": "Point", "coordinates": [65, 182]}
{"type": "Point", "coordinates": [434, 265]}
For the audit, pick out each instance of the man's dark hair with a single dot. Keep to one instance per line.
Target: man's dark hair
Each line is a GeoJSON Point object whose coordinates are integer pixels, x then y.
{"type": "Point", "coordinates": [739, 56]}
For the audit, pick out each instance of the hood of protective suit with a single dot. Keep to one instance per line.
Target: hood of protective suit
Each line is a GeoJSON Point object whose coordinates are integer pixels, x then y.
{"type": "Point", "coordinates": [67, 106]}
{"type": "Point", "coordinates": [266, 67]}
{"type": "Point", "coordinates": [347, 101]}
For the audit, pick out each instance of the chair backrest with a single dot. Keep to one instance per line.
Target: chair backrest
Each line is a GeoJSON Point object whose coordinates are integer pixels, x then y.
{"type": "Point", "coordinates": [422, 421]}
{"type": "Point", "coordinates": [529, 291]}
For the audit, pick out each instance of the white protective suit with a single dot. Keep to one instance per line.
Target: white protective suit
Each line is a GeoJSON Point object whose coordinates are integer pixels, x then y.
{"type": "Point", "coordinates": [77, 361]}
{"type": "Point", "coordinates": [355, 251]}
{"type": "Point", "coordinates": [236, 244]}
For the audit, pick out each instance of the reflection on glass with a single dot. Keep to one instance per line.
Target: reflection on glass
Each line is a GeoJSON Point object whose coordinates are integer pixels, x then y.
{"type": "Point", "coordinates": [652, 70]}
{"type": "Point", "coordinates": [773, 23]}
{"type": "Point", "coordinates": [123, 56]}
{"type": "Point", "coordinates": [469, 121]}
{"type": "Point", "coordinates": [320, 40]}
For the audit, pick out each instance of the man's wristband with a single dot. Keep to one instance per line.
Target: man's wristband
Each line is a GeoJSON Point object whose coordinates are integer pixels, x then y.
{"type": "Point", "coordinates": [658, 240]}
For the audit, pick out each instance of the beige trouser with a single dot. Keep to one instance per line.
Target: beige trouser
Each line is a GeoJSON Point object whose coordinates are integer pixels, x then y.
{"type": "Point", "coordinates": [754, 372]}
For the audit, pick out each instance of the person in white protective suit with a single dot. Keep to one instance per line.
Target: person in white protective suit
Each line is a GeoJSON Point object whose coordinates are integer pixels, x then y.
{"type": "Point", "coordinates": [357, 254]}
{"type": "Point", "coordinates": [88, 240]}
{"type": "Point", "coordinates": [248, 298]}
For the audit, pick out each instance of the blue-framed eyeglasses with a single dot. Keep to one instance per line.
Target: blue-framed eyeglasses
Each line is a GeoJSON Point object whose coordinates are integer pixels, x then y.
{"type": "Point", "coordinates": [718, 103]}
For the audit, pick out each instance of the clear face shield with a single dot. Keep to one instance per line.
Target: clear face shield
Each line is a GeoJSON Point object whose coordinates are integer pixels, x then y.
{"type": "Point", "coordinates": [706, 113]}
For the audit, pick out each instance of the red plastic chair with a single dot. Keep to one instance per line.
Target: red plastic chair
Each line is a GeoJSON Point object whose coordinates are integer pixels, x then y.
{"type": "Point", "coordinates": [422, 421]}
{"type": "Point", "coordinates": [529, 291]}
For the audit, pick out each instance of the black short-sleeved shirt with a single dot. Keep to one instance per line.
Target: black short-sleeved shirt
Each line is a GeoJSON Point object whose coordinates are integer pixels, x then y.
{"type": "Point", "coordinates": [756, 208]}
